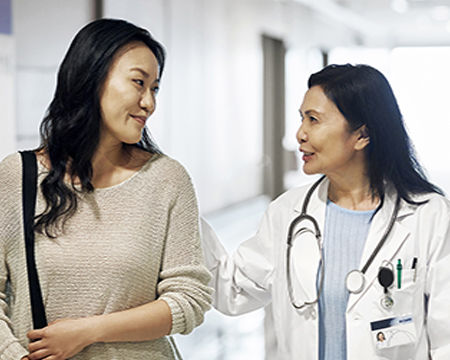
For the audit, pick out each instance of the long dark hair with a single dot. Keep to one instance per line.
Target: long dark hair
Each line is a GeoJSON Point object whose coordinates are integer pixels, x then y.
{"type": "Point", "coordinates": [363, 95]}
{"type": "Point", "coordinates": [70, 130]}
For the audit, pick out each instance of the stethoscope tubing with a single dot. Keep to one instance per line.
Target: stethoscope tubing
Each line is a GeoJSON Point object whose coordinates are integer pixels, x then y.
{"type": "Point", "coordinates": [304, 216]}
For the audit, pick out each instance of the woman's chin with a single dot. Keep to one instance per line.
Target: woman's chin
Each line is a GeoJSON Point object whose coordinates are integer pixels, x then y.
{"type": "Point", "coordinates": [130, 140]}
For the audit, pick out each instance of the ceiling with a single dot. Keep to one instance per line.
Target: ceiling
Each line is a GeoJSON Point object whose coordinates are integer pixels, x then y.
{"type": "Point", "coordinates": [391, 22]}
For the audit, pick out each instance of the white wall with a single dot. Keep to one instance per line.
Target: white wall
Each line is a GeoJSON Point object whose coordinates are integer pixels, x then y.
{"type": "Point", "coordinates": [7, 95]}
{"type": "Point", "coordinates": [43, 30]}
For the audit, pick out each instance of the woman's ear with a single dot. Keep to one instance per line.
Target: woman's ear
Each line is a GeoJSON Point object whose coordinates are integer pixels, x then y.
{"type": "Point", "coordinates": [363, 138]}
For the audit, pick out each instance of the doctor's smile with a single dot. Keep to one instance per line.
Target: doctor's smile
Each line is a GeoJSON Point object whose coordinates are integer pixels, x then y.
{"type": "Point", "coordinates": [306, 155]}
{"type": "Point", "coordinates": [354, 265]}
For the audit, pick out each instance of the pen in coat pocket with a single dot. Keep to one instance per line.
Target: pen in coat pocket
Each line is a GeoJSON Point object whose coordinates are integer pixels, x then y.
{"type": "Point", "coordinates": [414, 267]}
{"type": "Point", "coordinates": [399, 274]}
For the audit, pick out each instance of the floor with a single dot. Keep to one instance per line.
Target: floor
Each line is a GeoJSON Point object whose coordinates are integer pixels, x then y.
{"type": "Point", "coordinates": [222, 337]}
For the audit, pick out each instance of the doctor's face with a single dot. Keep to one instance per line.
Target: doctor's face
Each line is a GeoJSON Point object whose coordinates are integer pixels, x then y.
{"type": "Point", "coordinates": [326, 141]}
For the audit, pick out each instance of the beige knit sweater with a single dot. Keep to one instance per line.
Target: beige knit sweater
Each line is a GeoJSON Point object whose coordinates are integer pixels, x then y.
{"type": "Point", "coordinates": [127, 245]}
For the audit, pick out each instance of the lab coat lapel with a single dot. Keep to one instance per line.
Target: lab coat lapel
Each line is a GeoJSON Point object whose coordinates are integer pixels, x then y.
{"type": "Point", "coordinates": [305, 256]}
{"type": "Point", "coordinates": [395, 241]}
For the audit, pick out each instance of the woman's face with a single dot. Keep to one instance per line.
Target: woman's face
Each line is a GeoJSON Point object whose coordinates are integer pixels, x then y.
{"type": "Point", "coordinates": [127, 97]}
{"type": "Point", "coordinates": [324, 136]}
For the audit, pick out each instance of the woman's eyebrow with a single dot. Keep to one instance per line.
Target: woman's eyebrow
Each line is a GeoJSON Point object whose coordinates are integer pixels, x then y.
{"type": "Point", "coordinates": [141, 71]}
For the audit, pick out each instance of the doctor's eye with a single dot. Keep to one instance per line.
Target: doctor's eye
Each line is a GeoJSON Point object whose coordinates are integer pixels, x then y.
{"type": "Point", "coordinates": [313, 119]}
{"type": "Point", "coordinates": [139, 82]}
{"type": "Point", "coordinates": [155, 89]}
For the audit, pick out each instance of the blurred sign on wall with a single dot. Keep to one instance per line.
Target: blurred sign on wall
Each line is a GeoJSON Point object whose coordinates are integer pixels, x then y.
{"type": "Point", "coordinates": [5, 17]}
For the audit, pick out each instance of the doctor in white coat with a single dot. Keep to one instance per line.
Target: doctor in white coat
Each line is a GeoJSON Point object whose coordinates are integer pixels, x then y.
{"type": "Point", "coordinates": [369, 244]}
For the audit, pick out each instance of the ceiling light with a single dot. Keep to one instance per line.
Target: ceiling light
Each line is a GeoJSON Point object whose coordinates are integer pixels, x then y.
{"type": "Point", "coordinates": [440, 13]}
{"type": "Point", "coordinates": [400, 6]}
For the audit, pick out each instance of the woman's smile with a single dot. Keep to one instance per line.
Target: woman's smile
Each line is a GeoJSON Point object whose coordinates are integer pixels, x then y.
{"type": "Point", "coordinates": [140, 119]}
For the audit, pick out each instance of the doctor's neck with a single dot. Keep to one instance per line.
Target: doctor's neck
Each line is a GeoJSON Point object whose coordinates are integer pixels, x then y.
{"type": "Point", "coordinates": [352, 193]}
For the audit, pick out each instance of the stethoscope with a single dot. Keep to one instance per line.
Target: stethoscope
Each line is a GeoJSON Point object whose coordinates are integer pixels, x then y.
{"type": "Point", "coordinates": [355, 279]}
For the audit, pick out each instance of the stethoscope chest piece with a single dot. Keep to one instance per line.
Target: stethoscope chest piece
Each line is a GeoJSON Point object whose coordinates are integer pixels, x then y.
{"type": "Point", "coordinates": [355, 281]}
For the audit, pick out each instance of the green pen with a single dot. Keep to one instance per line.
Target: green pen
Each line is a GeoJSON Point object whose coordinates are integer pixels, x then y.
{"type": "Point", "coordinates": [399, 273]}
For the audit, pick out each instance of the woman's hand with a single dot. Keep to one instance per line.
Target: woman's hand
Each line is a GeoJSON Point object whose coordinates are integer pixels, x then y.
{"type": "Point", "coordinates": [65, 338]}
{"type": "Point", "coordinates": [60, 340]}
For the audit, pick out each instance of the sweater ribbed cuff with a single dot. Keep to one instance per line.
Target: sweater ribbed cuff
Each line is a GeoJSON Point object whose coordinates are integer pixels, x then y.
{"type": "Point", "coordinates": [178, 320]}
{"type": "Point", "coordinates": [13, 351]}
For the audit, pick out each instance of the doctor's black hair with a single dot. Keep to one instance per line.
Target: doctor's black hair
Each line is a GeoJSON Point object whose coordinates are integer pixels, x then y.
{"type": "Point", "coordinates": [70, 130]}
{"type": "Point", "coordinates": [364, 97]}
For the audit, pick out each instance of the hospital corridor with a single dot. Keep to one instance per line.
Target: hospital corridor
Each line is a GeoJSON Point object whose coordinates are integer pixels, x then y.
{"type": "Point", "coordinates": [232, 111]}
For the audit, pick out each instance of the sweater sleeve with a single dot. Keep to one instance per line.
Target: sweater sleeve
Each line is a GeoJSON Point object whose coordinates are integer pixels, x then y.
{"type": "Point", "coordinates": [184, 277]}
{"type": "Point", "coordinates": [10, 348]}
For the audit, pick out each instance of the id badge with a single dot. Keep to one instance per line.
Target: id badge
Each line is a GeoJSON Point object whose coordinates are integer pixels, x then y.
{"type": "Point", "coordinates": [394, 331]}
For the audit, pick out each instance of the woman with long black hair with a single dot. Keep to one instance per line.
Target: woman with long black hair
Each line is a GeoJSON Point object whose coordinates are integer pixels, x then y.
{"type": "Point", "coordinates": [364, 250]}
{"type": "Point", "coordinates": [117, 246]}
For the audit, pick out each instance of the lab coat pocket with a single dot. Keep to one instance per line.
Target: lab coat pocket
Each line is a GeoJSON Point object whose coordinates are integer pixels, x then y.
{"type": "Point", "coordinates": [407, 279]}
{"type": "Point", "coordinates": [408, 299]}
{"type": "Point", "coordinates": [406, 295]}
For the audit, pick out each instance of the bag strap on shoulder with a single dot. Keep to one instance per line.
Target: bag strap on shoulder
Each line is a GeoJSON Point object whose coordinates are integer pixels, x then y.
{"type": "Point", "coordinates": [29, 191]}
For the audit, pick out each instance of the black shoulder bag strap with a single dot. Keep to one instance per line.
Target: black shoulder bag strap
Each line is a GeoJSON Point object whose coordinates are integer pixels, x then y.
{"type": "Point", "coordinates": [29, 191]}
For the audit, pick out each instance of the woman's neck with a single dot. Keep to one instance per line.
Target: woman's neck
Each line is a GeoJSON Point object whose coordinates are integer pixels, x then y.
{"type": "Point", "coordinates": [114, 164]}
{"type": "Point", "coordinates": [352, 192]}
{"type": "Point", "coordinates": [110, 157]}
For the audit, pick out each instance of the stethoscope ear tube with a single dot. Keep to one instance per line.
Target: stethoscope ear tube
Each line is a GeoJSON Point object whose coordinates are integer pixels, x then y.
{"type": "Point", "coordinates": [303, 216]}
{"type": "Point", "coordinates": [308, 195]}
{"type": "Point", "coordinates": [288, 270]}
{"type": "Point", "coordinates": [385, 236]}
{"type": "Point", "coordinates": [355, 280]}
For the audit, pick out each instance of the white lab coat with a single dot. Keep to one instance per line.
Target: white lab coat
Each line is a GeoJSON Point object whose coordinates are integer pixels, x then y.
{"type": "Point", "coordinates": [256, 275]}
